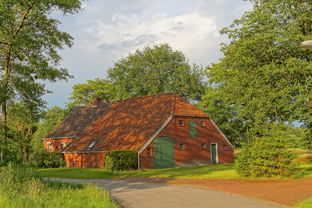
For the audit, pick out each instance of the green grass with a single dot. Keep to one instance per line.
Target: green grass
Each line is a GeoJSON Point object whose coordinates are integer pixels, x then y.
{"type": "Point", "coordinates": [21, 188]}
{"type": "Point", "coordinates": [221, 171]}
{"type": "Point", "coordinates": [304, 204]}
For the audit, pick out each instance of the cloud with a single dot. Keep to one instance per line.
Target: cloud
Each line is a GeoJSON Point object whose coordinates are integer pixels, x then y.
{"type": "Point", "coordinates": [105, 31]}
{"type": "Point", "coordinates": [192, 33]}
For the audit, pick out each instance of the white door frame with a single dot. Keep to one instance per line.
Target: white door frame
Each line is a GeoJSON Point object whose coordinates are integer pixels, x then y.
{"type": "Point", "coordinates": [217, 153]}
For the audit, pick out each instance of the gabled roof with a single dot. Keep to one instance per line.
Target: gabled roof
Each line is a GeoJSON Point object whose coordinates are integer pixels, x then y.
{"type": "Point", "coordinates": [126, 124]}
{"type": "Point", "coordinates": [73, 125]}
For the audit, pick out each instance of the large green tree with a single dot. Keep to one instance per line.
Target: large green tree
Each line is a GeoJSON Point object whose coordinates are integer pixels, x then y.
{"type": "Point", "coordinates": [155, 70]}
{"type": "Point", "coordinates": [29, 44]}
{"type": "Point", "coordinates": [264, 76]}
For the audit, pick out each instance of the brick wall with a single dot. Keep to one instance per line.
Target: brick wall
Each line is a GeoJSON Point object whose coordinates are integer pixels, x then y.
{"type": "Point", "coordinates": [193, 154]}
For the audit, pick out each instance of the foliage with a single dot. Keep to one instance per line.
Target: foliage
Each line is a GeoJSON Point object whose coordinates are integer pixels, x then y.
{"type": "Point", "coordinates": [121, 160]}
{"type": "Point", "coordinates": [30, 40]}
{"type": "Point", "coordinates": [264, 76]}
{"type": "Point", "coordinates": [23, 125]}
{"type": "Point", "coordinates": [156, 70]}
{"type": "Point", "coordinates": [21, 187]}
{"type": "Point", "coordinates": [48, 160]}
{"type": "Point", "coordinates": [29, 45]}
{"type": "Point", "coordinates": [84, 94]}
{"type": "Point", "coordinates": [267, 157]}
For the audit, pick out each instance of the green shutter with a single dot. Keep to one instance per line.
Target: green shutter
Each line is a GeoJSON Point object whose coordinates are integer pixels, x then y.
{"type": "Point", "coordinates": [192, 128]}
{"type": "Point", "coordinates": [213, 154]}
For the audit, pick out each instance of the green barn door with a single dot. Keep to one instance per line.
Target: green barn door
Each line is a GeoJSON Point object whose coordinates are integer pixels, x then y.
{"type": "Point", "coordinates": [163, 152]}
{"type": "Point", "coordinates": [214, 153]}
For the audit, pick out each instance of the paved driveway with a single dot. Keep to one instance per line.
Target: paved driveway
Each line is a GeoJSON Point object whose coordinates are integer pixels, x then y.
{"type": "Point", "coordinates": [161, 195]}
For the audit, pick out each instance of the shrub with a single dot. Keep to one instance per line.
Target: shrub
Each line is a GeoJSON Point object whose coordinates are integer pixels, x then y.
{"type": "Point", "coordinates": [267, 157]}
{"type": "Point", "coordinates": [121, 160]}
{"type": "Point", "coordinates": [48, 160]}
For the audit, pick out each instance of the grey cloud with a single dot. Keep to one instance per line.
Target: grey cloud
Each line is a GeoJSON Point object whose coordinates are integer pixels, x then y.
{"type": "Point", "coordinates": [137, 41]}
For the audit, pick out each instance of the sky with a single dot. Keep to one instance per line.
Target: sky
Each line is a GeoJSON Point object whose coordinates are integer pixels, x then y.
{"type": "Point", "coordinates": [106, 31]}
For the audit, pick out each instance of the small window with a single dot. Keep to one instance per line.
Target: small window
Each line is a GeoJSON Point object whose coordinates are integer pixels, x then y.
{"type": "Point", "coordinates": [90, 145]}
{"type": "Point", "coordinates": [202, 123]}
{"type": "Point", "coordinates": [50, 147]}
{"type": "Point", "coordinates": [182, 146]}
{"type": "Point", "coordinates": [181, 122]}
{"type": "Point", "coordinates": [203, 146]}
{"type": "Point", "coordinates": [149, 152]}
{"type": "Point", "coordinates": [224, 147]}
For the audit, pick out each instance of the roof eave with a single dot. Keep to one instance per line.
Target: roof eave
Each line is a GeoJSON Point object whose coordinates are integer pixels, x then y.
{"type": "Point", "coordinates": [155, 134]}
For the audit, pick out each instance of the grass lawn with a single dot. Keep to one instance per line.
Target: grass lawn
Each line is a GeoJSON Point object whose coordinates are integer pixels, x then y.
{"type": "Point", "coordinates": [221, 171]}
{"type": "Point", "coordinates": [211, 171]}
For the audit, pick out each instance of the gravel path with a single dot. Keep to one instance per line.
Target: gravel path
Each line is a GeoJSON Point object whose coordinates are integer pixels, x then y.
{"type": "Point", "coordinates": [159, 195]}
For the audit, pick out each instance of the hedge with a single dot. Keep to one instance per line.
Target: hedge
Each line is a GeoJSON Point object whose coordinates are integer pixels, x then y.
{"type": "Point", "coordinates": [48, 160]}
{"type": "Point", "coordinates": [121, 160]}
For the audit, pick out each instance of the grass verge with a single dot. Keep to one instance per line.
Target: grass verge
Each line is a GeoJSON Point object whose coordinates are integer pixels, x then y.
{"type": "Point", "coordinates": [22, 188]}
{"type": "Point", "coordinates": [220, 171]}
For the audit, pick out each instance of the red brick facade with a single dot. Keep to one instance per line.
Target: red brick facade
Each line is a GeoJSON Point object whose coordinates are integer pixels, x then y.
{"type": "Point", "coordinates": [193, 154]}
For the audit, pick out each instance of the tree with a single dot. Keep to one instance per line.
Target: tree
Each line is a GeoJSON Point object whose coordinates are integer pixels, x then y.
{"type": "Point", "coordinates": [264, 74]}
{"type": "Point", "coordinates": [23, 125]}
{"type": "Point", "coordinates": [29, 40]}
{"type": "Point", "coordinates": [84, 94]}
{"type": "Point", "coordinates": [156, 70]}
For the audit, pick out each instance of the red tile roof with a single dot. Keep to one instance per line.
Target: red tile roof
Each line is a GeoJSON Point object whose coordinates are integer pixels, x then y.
{"type": "Point", "coordinates": [127, 124]}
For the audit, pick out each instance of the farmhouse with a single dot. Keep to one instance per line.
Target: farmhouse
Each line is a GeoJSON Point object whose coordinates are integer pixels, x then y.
{"type": "Point", "coordinates": [166, 131]}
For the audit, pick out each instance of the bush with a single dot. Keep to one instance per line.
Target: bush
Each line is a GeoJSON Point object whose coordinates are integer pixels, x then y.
{"type": "Point", "coordinates": [48, 160]}
{"type": "Point", "coordinates": [121, 160]}
{"type": "Point", "coordinates": [267, 157]}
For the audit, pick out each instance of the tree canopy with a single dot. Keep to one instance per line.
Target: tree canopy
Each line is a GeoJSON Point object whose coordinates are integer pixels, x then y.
{"type": "Point", "coordinates": [29, 44]}
{"type": "Point", "coordinates": [264, 76]}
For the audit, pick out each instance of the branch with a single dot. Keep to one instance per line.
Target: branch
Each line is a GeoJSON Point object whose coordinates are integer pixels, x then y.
{"type": "Point", "coordinates": [23, 19]}
{"type": "Point", "coordinates": [5, 29]}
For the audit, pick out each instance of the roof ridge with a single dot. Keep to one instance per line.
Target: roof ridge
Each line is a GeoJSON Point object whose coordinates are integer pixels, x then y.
{"type": "Point", "coordinates": [134, 98]}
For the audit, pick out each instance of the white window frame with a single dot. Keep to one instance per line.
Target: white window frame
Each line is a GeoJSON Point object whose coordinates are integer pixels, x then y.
{"type": "Point", "coordinates": [217, 155]}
